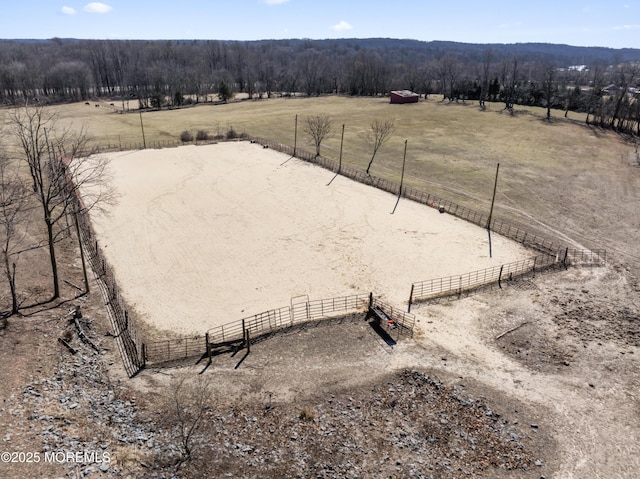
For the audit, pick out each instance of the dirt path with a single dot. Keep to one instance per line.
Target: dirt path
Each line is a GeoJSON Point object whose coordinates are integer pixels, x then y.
{"type": "Point", "coordinates": [583, 384]}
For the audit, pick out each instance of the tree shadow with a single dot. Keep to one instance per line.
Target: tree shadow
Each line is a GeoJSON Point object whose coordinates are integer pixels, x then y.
{"type": "Point", "coordinates": [47, 305]}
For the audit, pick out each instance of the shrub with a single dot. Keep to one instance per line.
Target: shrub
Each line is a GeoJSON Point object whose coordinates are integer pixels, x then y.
{"type": "Point", "coordinates": [186, 136]}
{"type": "Point", "coordinates": [306, 414]}
{"type": "Point", "coordinates": [232, 134]}
{"type": "Point", "coordinates": [202, 135]}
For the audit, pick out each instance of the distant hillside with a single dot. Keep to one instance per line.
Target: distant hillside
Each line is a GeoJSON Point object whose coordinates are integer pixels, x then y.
{"type": "Point", "coordinates": [555, 53]}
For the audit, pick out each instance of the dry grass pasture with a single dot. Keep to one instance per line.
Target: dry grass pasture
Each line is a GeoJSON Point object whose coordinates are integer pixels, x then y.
{"type": "Point", "coordinates": [562, 387]}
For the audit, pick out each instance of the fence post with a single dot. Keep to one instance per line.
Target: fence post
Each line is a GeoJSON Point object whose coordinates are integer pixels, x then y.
{"type": "Point", "coordinates": [244, 334]}
{"type": "Point", "coordinates": [533, 270]}
{"type": "Point", "coordinates": [144, 355]}
{"type": "Point", "coordinates": [500, 277]}
{"type": "Point", "coordinates": [564, 261]}
{"type": "Point", "coordinates": [206, 338]}
{"type": "Point", "coordinates": [247, 334]}
{"type": "Point", "coordinates": [410, 299]}
{"type": "Point", "coordinates": [370, 300]}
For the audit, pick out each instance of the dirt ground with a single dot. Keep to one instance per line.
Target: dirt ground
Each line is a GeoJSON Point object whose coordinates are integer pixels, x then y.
{"type": "Point", "coordinates": [468, 396]}
{"type": "Point", "coordinates": [269, 228]}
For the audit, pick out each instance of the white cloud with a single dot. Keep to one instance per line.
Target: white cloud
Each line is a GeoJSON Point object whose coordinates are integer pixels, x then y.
{"type": "Point", "coordinates": [274, 2]}
{"type": "Point", "coordinates": [97, 7]}
{"type": "Point", "coordinates": [341, 27]}
{"type": "Point", "coordinates": [627, 27]}
{"type": "Point", "coordinates": [68, 10]}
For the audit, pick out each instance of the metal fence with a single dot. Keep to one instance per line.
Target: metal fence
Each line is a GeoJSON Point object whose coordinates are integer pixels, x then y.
{"type": "Point", "coordinates": [456, 285]}
{"type": "Point", "coordinates": [257, 325]}
{"type": "Point", "coordinates": [173, 349]}
{"type": "Point", "coordinates": [135, 354]}
{"type": "Point", "coordinates": [509, 230]}
{"type": "Point", "coordinates": [403, 322]}
{"type": "Point", "coordinates": [124, 330]}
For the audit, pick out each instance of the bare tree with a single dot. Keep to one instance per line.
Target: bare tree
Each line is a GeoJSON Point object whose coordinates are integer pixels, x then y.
{"type": "Point", "coordinates": [185, 407]}
{"type": "Point", "coordinates": [509, 82]}
{"type": "Point", "coordinates": [13, 209]}
{"type": "Point", "coordinates": [487, 59]}
{"type": "Point", "coordinates": [60, 167]}
{"type": "Point", "coordinates": [380, 132]}
{"type": "Point", "coordinates": [549, 88]}
{"type": "Point", "coordinates": [318, 128]}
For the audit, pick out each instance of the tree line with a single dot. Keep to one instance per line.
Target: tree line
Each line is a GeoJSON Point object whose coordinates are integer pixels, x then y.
{"type": "Point", "coordinates": [169, 74]}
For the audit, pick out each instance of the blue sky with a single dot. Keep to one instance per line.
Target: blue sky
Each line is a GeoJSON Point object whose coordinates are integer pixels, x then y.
{"type": "Point", "coordinates": [609, 23]}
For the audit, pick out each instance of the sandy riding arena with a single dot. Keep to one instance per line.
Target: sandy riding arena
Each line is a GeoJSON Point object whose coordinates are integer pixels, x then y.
{"type": "Point", "coordinates": [206, 235]}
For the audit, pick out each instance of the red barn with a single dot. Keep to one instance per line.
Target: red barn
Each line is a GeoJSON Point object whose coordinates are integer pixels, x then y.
{"type": "Point", "coordinates": [404, 96]}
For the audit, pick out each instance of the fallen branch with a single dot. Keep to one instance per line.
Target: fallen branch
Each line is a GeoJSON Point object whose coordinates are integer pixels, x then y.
{"type": "Point", "coordinates": [67, 345]}
{"type": "Point", "coordinates": [83, 335]}
{"type": "Point", "coordinates": [72, 285]}
{"type": "Point", "coordinates": [511, 330]}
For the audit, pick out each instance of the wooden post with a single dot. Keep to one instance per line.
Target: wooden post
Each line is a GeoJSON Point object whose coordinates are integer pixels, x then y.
{"type": "Point", "coordinates": [533, 270]}
{"type": "Point", "coordinates": [493, 198]}
{"type": "Point", "coordinates": [370, 300]}
{"type": "Point", "coordinates": [207, 346]}
{"type": "Point", "coordinates": [404, 160]}
{"type": "Point", "coordinates": [144, 355]}
{"type": "Point", "coordinates": [500, 277]}
{"type": "Point", "coordinates": [410, 299]}
{"type": "Point", "coordinates": [144, 141]}
{"type": "Point", "coordinates": [244, 335]}
{"type": "Point", "coordinates": [564, 261]}
{"type": "Point", "coordinates": [340, 161]}
{"type": "Point", "coordinates": [247, 334]}
{"type": "Point", "coordinates": [341, 143]}
{"type": "Point", "coordinates": [295, 136]}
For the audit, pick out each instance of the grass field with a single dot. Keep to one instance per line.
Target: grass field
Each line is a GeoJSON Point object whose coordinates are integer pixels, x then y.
{"type": "Point", "coordinates": [556, 355]}
{"type": "Point", "coordinates": [564, 174]}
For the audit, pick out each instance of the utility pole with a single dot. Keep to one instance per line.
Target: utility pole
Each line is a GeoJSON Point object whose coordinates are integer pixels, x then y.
{"type": "Point", "coordinates": [340, 160]}
{"type": "Point", "coordinates": [295, 136]}
{"type": "Point", "coordinates": [404, 161]}
{"type": "Point", "coordinates": [493, 200]}
{"type": "Point", "coordinates": [144, 141]}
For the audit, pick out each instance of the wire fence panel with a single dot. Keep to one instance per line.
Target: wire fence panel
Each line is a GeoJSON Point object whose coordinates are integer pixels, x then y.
{"type": "Point", "coordinates": [324, 308]}
{"type": "Point", "coordinates": [127, 340]}
{"type": "Point", "coordinates": [260, 324]}
{"type": "Point", "coordinates": [403, 321]}
{"type": "Point", "coordinates": [134, 353]}
{"type": "Point", "coordinates": [452, 285]}
{"type": "Point", "coordinates": [174, 349]}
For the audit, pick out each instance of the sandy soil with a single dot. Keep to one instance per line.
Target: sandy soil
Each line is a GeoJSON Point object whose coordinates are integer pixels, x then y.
{"type": "Point", "coordinates": [571, 369]}
{"type": "Point", "coordinates": [206, 235]}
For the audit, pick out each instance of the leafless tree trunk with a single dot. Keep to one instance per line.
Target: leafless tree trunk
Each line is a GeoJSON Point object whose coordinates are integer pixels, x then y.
{"type": "Point", "coordinates": [61, 165]}
{"type": "Point", "coordinates": [548, 87]}
{"type": "Point", "coordinates": [13, 208]}
{"type": "Point", "coordinates": [185, 406]}
{"type": "Point", "coordinates": [380, 132]}
{"type": "Point", "coordinates": [510, 82]}
{"type": "Point", "coordinates": [487, 59]}
{"type": "Point", "coordinates": [318, 128]}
